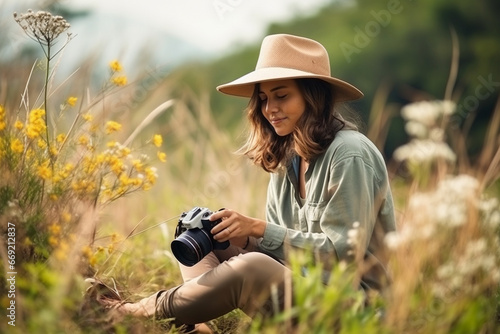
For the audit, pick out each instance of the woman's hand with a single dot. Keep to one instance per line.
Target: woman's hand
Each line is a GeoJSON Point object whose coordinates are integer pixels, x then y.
{"type": "Point", "coordinates": [236, 227]}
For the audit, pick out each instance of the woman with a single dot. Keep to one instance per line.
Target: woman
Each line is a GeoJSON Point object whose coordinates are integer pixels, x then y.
{"type": "Point", "coordinates": [325, 177]}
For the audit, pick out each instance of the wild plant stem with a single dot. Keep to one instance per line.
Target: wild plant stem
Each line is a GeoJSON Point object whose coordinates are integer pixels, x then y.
{"type": "Point", "coordinates": [46, 89]}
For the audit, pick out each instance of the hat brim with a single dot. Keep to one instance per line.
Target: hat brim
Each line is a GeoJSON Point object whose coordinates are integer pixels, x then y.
{"type": "Point", "coordinates": [244, 86]}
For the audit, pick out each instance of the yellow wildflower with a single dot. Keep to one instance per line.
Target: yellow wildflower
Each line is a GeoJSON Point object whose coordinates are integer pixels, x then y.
{"type": "Point", "coordinates": [41, 143]}
{"type": "Point", "coordinates": [115, 66]}
{"type": "Point", "coordinates": [18, 125]}
{"type": "Point", "coordinates": [93, 260]}
{"type": "Point", "coordinates": [112, 126]}
{"type": "Point", "coordinates": [125, 181]}
{"type": "Point", "coordinates": [87, 252]}
{"type": "Point", "coordinates": [116, 165]}
{"type": "Point", "coordinates": [64, 172]}
{"type": "Point", "coordinates": [84, 186]}
{"type": "Point", "coordinates": [123, 152]}
{"type": "Point", "coordinates": [89, 165]}
{"type": "Point", "coordinates": [151, 177]}
{"type": "Point", "coordinates": [120, 80]}
{"type": "Point", "coordinates": [87, 117]}
{"type": "Point", "coordinates": [53, 241]}
{"type": "Point", "coordinates": [66, 216]}
{"type": "Point", "coordinates": [68, 168]}
{"type": "Point", "coordinates": [44, 171]}
{"type": "Point", "coordinates": [36, 125]}
{"type": "Point", "coordinates": [60, 137]}
{"type": "Point", "coordinates": [157, 140]}
{"type": "Point", "coordinates": [53, 151]}
{"type": "Point", "coordinates": [115, 237]}
{"type": "Point", "coordinates": [62, 251]}
{"type": "Point", "coordinates": [55, 229]}
{"type": "Point", "coordinates": [71, 101]}
{"type": "Point", "coordinates": [162, 156]}
{"type": "Point", "coordinates": [17, 146]}
{"type": "Point", "coordinates": [83, 140]}
{"type": "Point", "coordinates": [138, 165]}
{"type": "Point", "coordinates": [100, 158]}
{"type": "Point", "coordinates": [136, 181]}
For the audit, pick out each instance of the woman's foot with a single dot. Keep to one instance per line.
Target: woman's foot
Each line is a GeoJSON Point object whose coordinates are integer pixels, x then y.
{"type": "Point", "coordinates": [145, 308]}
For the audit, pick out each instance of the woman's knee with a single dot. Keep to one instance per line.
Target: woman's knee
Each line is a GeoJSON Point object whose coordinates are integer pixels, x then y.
{"type": "Point", "coordinates": [258, 264]}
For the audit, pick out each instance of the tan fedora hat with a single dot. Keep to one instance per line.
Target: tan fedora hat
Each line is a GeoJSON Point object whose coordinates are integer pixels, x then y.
{"type": "Point", "coordinates": [285, 56]}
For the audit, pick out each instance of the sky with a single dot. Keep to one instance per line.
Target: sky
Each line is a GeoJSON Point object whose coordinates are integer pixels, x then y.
{"type": "Point", "coordinates": [211, 25]}
{"type": "Point", "coordinates": [171, 31]}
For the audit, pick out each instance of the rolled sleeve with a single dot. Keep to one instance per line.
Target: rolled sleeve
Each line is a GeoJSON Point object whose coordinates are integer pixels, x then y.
{"type": "Point", "coordinates": [274, 237]}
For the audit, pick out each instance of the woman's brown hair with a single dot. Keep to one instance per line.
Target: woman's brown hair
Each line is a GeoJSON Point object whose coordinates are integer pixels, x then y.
{"type": "Point", "coordinates": [312, 135]}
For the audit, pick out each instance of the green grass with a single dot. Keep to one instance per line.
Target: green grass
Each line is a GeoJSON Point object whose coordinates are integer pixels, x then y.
{"type": "Point", "coordinates": [445, 261]}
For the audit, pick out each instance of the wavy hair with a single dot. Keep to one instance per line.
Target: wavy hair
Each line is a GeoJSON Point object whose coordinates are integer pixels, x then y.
{"type": "Point", "coordinates": [313, 133]}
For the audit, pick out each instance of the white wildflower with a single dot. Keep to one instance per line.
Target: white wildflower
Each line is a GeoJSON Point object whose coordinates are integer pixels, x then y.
{"type": "Point", "coordinates": [490, 210]}
{"type": "Point", "coordinates": [436, 134]}
{"type": "Point", "coordinates": [44, 28]}
{"type": "Point", "coordinates": [461, 274]}
{"type": "Point", "coordinates": [423, 151]}
{"type": "Point", "coordinates": [448, 107]}
{"type": "Point", "coordinates": [427, 112]}
{"type": "Point", "coordinates": [416, 129]}
{"type": "Point", "coordinates": [393, 240]}
{"type": "Point", "coordinates": [422, 112]}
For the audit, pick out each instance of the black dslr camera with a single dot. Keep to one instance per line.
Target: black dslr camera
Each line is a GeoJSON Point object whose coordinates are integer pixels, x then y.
{"type": "Point", "coordinates": [193, 240]}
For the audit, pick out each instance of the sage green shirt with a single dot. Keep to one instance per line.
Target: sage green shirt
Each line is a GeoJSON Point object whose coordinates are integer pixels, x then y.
{"type": "Point", "coordinates": [346, 184]}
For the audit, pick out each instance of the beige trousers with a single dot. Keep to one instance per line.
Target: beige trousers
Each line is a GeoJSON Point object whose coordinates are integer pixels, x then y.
{"type": "Point", "coordinates": [223, 281]}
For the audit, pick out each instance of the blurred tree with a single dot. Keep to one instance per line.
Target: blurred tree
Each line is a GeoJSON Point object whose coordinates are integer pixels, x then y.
{"type": "Point", "coordinates": [403, 44]}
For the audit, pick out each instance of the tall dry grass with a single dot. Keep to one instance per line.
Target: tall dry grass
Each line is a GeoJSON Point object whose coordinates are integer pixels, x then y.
{"type": "Point", "coordinates": [444, 259]}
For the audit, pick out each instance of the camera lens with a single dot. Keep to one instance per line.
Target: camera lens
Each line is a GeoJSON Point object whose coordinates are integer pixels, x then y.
{"type": "Point", "coordinates": [191, 246]}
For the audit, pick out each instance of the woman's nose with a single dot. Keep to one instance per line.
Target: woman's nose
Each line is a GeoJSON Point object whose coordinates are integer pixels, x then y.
{"type": "Point", "coordinates": [270, 106]}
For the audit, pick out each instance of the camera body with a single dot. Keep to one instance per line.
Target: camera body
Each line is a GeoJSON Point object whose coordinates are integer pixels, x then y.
{"type": "Point", "coordinates": [193, 240]}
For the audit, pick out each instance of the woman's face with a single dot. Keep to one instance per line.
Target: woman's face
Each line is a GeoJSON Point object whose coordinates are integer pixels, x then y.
{"type": "Point", "coordinates": [282, 104]}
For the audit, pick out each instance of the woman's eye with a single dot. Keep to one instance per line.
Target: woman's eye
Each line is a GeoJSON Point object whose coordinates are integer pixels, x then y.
{"type": "Point", "coordinates": [281, 96]}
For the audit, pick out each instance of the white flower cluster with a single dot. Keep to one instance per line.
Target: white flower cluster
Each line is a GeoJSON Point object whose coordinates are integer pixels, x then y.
{"type": "Point", "coordinates": [424, 122]}
{"type": "Point", "coordinates": [42, 26]}
{"type": "Point", "coordinates": [424, 151]}
{"type": "Point", "coordinates": [426, 115]}
{"type": "Point", "coordinates": [461, 275]}
{"type": "Point", "coordinates": [449, 206]}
